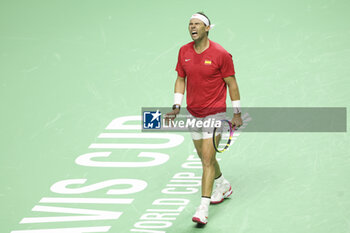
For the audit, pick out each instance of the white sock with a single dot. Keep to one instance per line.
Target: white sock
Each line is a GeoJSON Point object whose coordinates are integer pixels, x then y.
{"type": "Point", "coordinates": [220, 180]}
{"type": "Point", "coordinates": [205, 201]}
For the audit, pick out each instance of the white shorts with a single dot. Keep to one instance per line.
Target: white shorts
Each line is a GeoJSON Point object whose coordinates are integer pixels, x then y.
{"type": "Point", "coordinates": [198, 133]}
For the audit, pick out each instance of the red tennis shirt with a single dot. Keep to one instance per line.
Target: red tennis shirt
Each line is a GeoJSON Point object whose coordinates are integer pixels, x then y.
{"type": "Point", "coordinates": [206, 88]}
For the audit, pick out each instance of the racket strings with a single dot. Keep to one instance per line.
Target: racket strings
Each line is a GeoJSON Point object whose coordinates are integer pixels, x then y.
{"type": "Point", "coordinates": [224, 133]}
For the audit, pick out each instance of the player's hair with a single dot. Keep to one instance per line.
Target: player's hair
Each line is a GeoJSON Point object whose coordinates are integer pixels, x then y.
{"type": "Point", "coordinates": [202, 13]}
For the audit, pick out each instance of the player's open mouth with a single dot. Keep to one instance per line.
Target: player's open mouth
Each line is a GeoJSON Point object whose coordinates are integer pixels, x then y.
{"type": "Point", "coordinates": [194, 33]}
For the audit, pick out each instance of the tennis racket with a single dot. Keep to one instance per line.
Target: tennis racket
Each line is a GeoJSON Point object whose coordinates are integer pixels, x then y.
{"type": "Point", "coordinates": [222, 136]}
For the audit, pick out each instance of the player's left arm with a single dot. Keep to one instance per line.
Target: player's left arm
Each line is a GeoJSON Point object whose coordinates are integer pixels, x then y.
{"type": "Point", "coordinates": [234, 95]}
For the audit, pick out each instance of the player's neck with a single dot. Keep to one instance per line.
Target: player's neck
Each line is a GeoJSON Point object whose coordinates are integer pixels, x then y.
{"type": "Point", "coordinates": [201, 45]}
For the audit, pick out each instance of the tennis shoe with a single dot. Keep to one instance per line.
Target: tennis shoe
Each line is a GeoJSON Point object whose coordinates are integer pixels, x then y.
{"type": "Point", "coordinates": [201, 215]}
{"type": "Point", "coordinates": [221, 191]}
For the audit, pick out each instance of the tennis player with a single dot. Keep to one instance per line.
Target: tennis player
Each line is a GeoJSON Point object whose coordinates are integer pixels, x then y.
{"type": "Point", "coordinates": [206, 69]}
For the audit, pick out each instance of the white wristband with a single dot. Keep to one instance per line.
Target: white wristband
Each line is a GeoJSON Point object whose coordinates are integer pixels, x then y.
{"type": "Point", "coordinates": [236, 104]}
{"type": "Point", "coordinates": [178, 98]}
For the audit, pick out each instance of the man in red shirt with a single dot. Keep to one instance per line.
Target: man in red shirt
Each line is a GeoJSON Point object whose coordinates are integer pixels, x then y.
{"type": "Point", "coordinates": [206, 69]}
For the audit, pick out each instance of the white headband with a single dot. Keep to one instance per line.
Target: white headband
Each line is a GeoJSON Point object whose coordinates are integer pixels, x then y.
{"type": "Point", "coordinates": [203, 19]}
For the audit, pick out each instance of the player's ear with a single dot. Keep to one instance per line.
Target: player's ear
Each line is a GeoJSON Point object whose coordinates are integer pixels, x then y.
{"type": "Point", "coordinates": [207, 28]}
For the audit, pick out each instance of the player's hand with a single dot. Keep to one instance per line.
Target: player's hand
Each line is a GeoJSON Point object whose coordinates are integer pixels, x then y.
{"type": "Point", "coordinates": [170, 116]}
{"type": "Point", "coordinates": [237, 120]}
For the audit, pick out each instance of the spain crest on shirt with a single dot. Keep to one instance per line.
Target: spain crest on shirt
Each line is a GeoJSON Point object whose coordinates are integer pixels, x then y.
{"type": "Point", "coordinates": [207, 62]}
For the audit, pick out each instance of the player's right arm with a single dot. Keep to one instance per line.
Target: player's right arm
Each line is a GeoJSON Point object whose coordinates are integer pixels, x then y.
{"type": "Point", "coordinates": [180, 85]}
{"type": "Point", "coordinates": [179, 91]}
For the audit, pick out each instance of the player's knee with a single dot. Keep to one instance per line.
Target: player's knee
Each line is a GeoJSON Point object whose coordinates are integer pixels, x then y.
{"type": "Point", "coordinates": [208, 160]}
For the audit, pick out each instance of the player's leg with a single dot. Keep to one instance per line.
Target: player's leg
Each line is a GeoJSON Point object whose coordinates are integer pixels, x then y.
{"type": "Point", "coordinates": [222, 188]}
{"type": "Point", "coordinates": [211, 169]}
{"type": "Point", "coordinates": [206, 152]}
{"type": "Point", "coordinates": [209, 164]}
{"type": "Point", "coordinates": [198, 146]}
{"type": "Point", "coordinates": [201, 214]}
